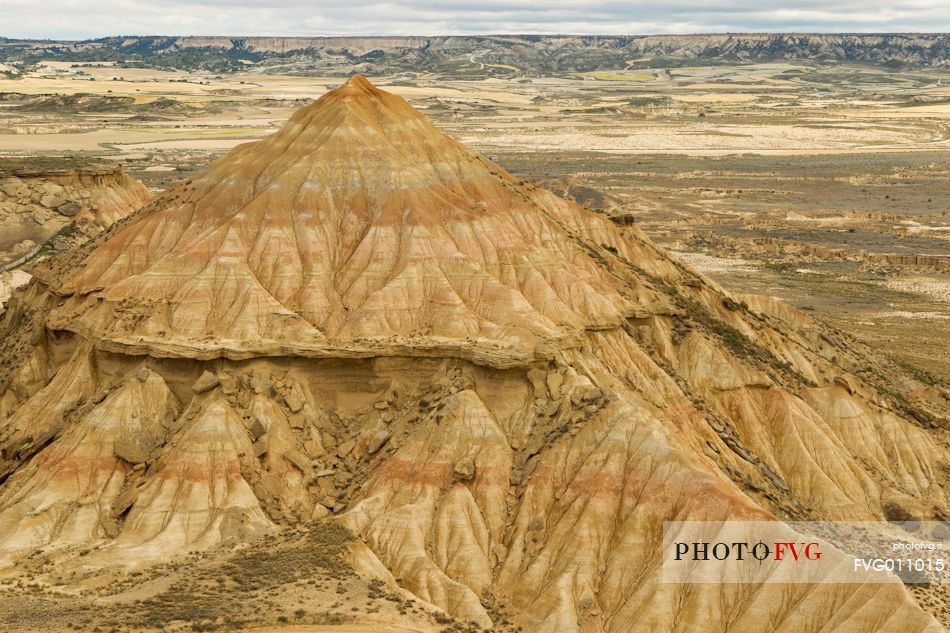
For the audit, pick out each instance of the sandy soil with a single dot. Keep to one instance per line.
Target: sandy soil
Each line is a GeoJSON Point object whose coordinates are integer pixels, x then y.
{"type": "Point", "coordinates": [367, 626]}
{"type": "Point", "coordinates": [937, 288]}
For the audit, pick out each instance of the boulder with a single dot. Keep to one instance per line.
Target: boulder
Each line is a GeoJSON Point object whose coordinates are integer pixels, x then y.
{"type": "Point", "coordinates": [14, 188]}
{"type": "Point", "coordinates": [69, 209]}
{"type": "Point", "coordinates": [206, 382]}
{"type": "Point", "coordinates": [464, 469]}
{"type": "Point", "coordinates": [53, 199]}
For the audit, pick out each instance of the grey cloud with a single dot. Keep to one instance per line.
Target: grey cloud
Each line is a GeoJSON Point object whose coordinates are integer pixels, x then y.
{"type": "Point", "coordinates": [78, 20]}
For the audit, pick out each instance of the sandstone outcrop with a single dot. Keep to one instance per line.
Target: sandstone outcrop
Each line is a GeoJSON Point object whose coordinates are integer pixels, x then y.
{"type": "Point", "coordinates": [503, 394]}
{"type": "Point", "coordinates": [96, 193]}
{"type": "Point", "coordinates": [54, 205]}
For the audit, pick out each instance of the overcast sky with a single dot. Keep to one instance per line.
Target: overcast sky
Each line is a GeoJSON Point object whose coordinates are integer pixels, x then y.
{"type": "Point", "coordinates": [79, 19]}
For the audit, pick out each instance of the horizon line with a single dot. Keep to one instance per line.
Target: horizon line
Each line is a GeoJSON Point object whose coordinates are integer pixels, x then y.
{"type": "Point", "coordinates": [442, 35]}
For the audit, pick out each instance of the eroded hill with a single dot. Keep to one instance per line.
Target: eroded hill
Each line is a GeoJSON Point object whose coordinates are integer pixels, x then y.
{"type": "Point", "coordinates": [498, 395]}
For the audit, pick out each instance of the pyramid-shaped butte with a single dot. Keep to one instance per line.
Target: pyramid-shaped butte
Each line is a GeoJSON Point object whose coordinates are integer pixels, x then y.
{"type": "Point", "coordinates": [358, 228]}
{"type": "Point", "coordinates": [500, 394]}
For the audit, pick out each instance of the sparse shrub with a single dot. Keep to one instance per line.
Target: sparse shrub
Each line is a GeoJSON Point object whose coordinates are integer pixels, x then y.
{"type": "Point", "coordinates": [209, 597]}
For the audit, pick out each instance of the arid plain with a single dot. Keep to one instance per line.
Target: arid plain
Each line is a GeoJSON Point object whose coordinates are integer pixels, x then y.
{"type": "Point", "coordinates": [822, 185]}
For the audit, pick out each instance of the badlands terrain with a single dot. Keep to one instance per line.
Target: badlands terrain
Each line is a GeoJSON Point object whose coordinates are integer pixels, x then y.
{"type": "Point", "coordinates": [819, 183]}
{"type": "Point", "coordinates": [357, 376]}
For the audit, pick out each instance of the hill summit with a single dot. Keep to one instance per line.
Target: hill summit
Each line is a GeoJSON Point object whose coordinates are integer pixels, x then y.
{"type": "Point", "coordinates": [499, 394]}
{"type": "Point", "coordinates": [359, 228]}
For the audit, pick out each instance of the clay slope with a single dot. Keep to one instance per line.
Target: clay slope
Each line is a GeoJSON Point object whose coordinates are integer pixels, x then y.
{"type": "Point", "coordinates": [502, 394]}
{"type": "Point", "coordinates": [358, 228]}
